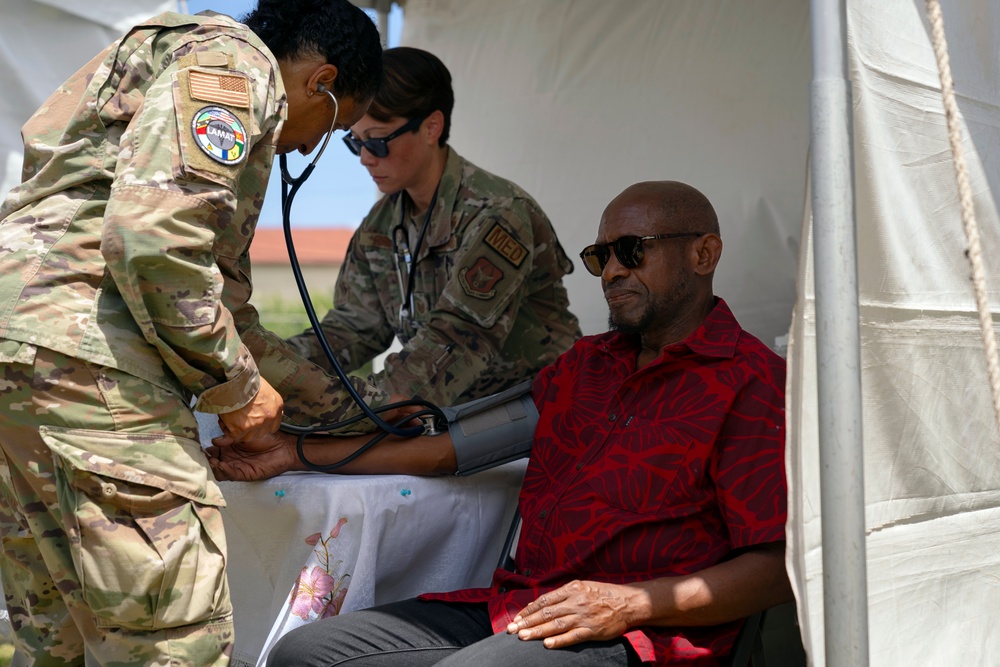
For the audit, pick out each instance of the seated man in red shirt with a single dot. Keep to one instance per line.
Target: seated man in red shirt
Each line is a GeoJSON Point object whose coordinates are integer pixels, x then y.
{"type": "Point", "coordinates": [654, 501]}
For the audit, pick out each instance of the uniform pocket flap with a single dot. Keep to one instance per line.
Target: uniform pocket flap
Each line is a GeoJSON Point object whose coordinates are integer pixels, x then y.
{"type": "Point", "coordinates": [16, 352]}
{"type": "Point", "coordinates": [159, 460]}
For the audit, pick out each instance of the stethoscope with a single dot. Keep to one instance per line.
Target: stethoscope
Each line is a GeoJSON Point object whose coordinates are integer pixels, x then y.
{"type": "Point", "coordinates": [406, 262]}
{"type": "Point", "coordinates": [289, 187]}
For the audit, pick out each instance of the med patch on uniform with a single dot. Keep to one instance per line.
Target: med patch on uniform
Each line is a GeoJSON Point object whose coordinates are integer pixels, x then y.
{"type": "Point", "coordinates": [506, 245]}
{"type": "Point", "coordinates": [480, 279]}
{"type": "Point", "coordinates": [219, 134]}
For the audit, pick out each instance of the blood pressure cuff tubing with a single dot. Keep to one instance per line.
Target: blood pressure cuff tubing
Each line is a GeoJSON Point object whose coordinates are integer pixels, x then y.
{"type": "Point", "coordinates": [492, 430]}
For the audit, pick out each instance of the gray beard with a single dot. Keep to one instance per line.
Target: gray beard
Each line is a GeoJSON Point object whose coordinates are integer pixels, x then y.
{"type": "Point", "coordinates": [657, 310]}
{"type": "Point", "coordinates": [636, 327]}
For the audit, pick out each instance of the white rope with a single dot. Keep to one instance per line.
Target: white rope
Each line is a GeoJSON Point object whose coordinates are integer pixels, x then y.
{"type": "Point", "coordinates": [974, 252]}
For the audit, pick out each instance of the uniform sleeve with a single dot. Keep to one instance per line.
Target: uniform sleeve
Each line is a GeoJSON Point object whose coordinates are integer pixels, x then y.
{"type": "Point", "coordinates": [171, 197]}
{"type": "Point", "coordinates": [749, 466]}
{"type": "Point", "coordinates": [470, 322]}
{"type": "Point", "coordinates": [356, 328]}
{"type": "Point", "coordinates": [312, 396]}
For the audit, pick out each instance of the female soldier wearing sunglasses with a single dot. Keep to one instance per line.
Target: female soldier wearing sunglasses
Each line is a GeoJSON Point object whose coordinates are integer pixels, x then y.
{"type": "Point", "coordinates": [461, 265]}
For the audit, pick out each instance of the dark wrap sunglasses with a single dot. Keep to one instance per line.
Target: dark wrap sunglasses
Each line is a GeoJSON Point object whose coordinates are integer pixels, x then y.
{"type": "Point", "coordinates": [380, 147]}
{"type": "Point", "coordinates": [628, 250]}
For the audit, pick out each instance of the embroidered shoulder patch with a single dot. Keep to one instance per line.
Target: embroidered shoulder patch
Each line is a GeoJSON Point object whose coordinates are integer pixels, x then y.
{"type": "Point", "coordinates": [220, 135]}
{"type": "Point", "coordinates": [505, 244]}
{"type": "Point", "coordinates": [227, 89]}
{"type": "Point", "coordinates": [480, 279]}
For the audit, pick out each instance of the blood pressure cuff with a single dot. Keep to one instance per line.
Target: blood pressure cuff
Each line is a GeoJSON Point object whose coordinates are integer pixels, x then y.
{"type": "Point", "coordinates": [492, 430]}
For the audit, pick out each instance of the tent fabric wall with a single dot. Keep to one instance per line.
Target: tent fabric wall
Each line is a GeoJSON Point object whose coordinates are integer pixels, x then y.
{"type": "Point", "coordinates": [932, 460]}
{"type": "Point", "coordinates": [574, 100]}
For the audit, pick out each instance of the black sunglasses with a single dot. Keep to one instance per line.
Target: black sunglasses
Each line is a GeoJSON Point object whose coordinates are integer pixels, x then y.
{"type": "Point", "coordinates": [628, 250]}
{"type": "Point", "coordinates": [380, 147]}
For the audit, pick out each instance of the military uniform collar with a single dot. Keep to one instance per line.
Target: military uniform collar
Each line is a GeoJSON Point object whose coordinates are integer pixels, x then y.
{"type": "Point", "coordinates": [440, 229]}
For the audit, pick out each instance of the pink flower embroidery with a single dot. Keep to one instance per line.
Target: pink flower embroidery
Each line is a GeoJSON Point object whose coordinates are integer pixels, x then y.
{"type": "Point", "coordinates": [336, 603]}
{"type": "Point", "coordinates": [319, 590]}
{"type": "Point", "coordinates": [311, 588]}
{"type": "Point", "coordinates": [335, 531]}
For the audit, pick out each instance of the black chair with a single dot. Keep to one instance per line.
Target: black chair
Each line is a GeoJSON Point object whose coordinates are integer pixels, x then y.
{"type": "Point", "coordinates": [510, 543]}
{"type": "Point", "coordinates": [770, 638]}
{"type": "Point", "coordinates": [748, 650]}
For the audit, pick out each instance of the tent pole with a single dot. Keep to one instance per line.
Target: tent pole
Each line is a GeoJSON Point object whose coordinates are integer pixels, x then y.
{"type": "Point", "coordinates": [845, 588]}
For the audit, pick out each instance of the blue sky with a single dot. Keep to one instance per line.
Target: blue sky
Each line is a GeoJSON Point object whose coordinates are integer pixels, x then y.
{"type": "Point", "coordinates": [339, 192]}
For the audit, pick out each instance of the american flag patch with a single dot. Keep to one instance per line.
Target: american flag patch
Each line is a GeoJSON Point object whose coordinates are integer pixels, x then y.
{"type": "Point", "coordinates": [221, 88]}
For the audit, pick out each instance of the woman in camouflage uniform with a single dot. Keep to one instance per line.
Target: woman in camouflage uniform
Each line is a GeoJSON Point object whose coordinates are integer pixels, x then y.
{"type": "Point", "coordinates": [124, 281]}
{"type": "Point", "coordinates": [462, 266]}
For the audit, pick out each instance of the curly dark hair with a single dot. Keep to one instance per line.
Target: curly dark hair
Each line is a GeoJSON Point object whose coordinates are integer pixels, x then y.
{"type": "Point", "coordinates": [333, 29]}
{"type": "Point", "coordinates": [414, 84]}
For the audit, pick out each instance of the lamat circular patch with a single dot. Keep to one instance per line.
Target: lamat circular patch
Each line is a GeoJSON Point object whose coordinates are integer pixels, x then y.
{"type": "Point", "coordinates": [220, 134]}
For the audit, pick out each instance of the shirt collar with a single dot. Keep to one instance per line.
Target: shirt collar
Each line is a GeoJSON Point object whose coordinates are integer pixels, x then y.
{"type": "Point", "coordinates": [439, 229]}
{"type": "Point", "coordinates": [718, 334]}
{"type": "Point", "coordinates": [451, 178]}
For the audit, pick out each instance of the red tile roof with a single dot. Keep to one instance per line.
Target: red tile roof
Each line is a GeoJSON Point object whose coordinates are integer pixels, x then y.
{"type": "Point", "coordinates": [327, 245]}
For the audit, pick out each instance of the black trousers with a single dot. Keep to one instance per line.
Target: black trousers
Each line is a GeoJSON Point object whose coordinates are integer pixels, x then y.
{"type": "Point", "coordinates": [411, 633]}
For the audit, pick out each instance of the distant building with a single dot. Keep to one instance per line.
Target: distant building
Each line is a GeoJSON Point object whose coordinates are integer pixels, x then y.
{"type": "Point", "coordinates": [320, 252]}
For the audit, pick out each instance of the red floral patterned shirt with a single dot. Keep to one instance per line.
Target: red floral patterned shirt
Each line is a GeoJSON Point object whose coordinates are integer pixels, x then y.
{"type": "Point", "coordinates": [639, 474]}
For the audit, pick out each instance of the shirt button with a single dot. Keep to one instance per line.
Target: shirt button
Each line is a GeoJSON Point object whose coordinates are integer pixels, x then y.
{"type": "Point", "coordinates": [527, 572]}
{"type": "Point", "coordinates": [579, 466]}
{"type": "Point", "coordinates": [502, 589]}
{"type": "Point", "coordinates": [542, 514]}
{"type": "Point", "coordinates": [612, 417]}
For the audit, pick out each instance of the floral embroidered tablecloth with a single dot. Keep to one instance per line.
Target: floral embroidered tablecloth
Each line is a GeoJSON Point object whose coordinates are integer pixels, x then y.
{"type": "Point", "coordinates": [306, 546]}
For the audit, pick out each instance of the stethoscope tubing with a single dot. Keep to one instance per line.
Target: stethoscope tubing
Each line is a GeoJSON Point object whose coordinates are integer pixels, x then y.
{"type": "Point", "coordinates": [289, 188]}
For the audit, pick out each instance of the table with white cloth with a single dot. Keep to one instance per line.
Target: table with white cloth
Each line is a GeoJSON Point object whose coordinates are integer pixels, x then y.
{"type": "Point", "coordinates": [303, 546]}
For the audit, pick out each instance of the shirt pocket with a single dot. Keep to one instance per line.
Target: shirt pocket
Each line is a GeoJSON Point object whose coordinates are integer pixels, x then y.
{"type": "Point", "coordinates": [141, 513]}
{"type": "Point", "coordinates": [433, 274]}
{"type": "Point", "coordinates": [640, 474]}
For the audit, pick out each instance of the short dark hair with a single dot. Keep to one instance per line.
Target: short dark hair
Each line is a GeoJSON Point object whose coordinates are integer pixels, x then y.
{"type": "Point", "coordinates": [333, 29]}
{"type": "Point", "coordinates": [415, 83]}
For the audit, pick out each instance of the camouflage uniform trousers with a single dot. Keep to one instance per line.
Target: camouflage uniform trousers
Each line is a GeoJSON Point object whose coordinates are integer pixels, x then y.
{"type": "Point", "coordinates": [113, 543]}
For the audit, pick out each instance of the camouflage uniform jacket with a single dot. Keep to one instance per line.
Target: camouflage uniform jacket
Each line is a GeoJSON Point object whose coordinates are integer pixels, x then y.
{"type": "Point", "coordinates": [490, 306]}
{"type": "Point", "coordinates": [126, 244]}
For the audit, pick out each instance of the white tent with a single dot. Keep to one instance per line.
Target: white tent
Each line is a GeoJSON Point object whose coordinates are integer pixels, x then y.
{"type": "Point", "coordinates": [576, 99]}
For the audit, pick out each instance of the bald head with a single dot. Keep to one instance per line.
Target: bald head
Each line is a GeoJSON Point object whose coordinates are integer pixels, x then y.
{"type": "Point", "coordinates": [671, 205]}
{"type": "Point", "coordinates": [659, 283]}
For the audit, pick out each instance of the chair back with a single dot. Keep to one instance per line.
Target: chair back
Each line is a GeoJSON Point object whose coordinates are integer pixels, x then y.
{"type": "Point", "coordinates": [510, 543]}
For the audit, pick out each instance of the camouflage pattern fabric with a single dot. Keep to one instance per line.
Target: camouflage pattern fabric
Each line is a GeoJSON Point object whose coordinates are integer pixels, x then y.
{"type": "Point", "coordinates": [110, 523]}
{"type": "Point", "coordinates": [127, 242]}
{"type": "Point", "coordinates": [490, 306]}
{"type": "Point", "coordinates": [124, 263]}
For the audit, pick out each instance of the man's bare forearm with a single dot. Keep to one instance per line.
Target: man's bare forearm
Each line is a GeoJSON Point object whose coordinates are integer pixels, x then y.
{"type": "Point", "coordinates": [751, 582]}
{"type": "Point", "coordinates": [423, 455]}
